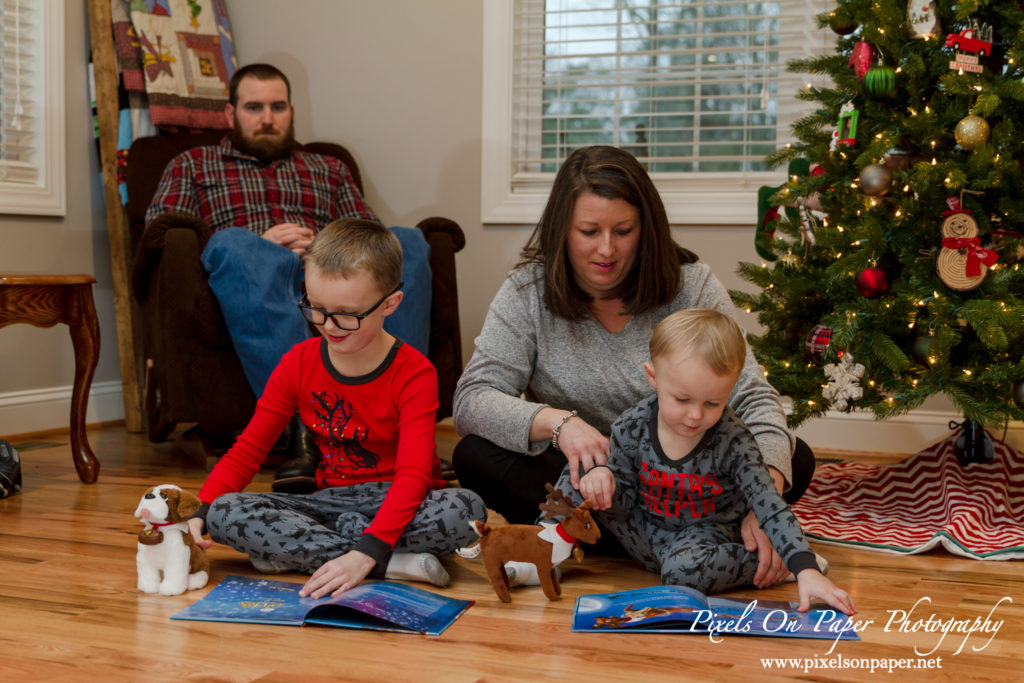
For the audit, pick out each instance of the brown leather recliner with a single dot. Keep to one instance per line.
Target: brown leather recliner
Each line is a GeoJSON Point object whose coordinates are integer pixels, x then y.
{"type": "Point", "coordinates": [192, 372]}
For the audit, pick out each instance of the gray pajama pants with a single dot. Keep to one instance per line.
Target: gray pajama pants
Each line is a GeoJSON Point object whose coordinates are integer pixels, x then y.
{"type": "Point", "coordinates": [708, 557]}
{"type": "Point", "coordinates": [302, 532]}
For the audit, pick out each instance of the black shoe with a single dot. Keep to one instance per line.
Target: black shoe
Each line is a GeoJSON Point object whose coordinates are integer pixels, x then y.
{"type": "Point", "coordinates": [297, 474]}
{"type": "Point", "coordinates": [10, 470]}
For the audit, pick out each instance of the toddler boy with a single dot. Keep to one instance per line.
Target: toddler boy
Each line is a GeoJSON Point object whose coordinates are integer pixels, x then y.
{"type": "Point", "coordinates": [684, 470]}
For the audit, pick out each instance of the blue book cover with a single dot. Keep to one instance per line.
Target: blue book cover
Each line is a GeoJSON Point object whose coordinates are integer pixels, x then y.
{"type": "Point", "coordinates": [377, 605]}
{"type": "Point", "coordinates": [678, 609]}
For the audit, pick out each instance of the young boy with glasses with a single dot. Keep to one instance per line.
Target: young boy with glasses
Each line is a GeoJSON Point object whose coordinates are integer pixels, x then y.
{"type": "Point", "coordinates": [381, 509]}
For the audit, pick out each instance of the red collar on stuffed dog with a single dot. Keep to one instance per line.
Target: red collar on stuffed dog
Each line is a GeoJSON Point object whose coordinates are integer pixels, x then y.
{"type": "Point", "coordinates": [157, 525]}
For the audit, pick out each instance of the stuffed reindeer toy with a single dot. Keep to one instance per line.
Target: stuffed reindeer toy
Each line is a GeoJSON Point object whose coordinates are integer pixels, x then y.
{"type": "Point", "coordinates": [545, 546]}
{"type": "Point", "coordinates": [169, 562]}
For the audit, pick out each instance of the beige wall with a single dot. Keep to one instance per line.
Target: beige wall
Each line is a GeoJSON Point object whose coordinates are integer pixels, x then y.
{"type": "Point", "coordinates": [399, 83]}
{"type": "Point", "coordinates": [33, 359]}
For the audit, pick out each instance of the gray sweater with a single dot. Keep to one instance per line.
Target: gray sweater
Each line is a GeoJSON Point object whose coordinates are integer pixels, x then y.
{"type": "Point", "coordinates": [527, 358]}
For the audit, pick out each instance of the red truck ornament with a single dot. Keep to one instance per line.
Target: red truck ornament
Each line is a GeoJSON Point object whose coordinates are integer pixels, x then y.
{"type": "Point", "coordinates": [964, 41]}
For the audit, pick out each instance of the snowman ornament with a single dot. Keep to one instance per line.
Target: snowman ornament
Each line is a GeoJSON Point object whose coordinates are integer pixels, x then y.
{"type": "Point", "coordinates": [962, 262]}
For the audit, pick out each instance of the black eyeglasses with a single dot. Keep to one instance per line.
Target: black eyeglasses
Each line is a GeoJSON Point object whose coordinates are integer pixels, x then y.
{"type": "Point", "coordinates": [343, 321]}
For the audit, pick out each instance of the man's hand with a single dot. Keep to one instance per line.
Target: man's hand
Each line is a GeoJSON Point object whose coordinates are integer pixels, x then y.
{"type": "Point", "coordinates": [338, 575]}
{"type": "Point", "coordinates": [291, 236]}
{"type": "Point", "coordinates": [195, 525]}
{"type": "Point", "coordinates": [598, 485]}
{"type": "Point", "coordinates": [770, 567]}
{"type": "Point", "coordinates": [582, 445]}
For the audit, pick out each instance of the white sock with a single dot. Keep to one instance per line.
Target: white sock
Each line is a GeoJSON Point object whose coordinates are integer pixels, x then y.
{"type": "Point", "coordinates": [522, 574]}
{"type": "Point", "coordinates": [822, 567]}
{"type": "Point", "coordinates": [417, 567]}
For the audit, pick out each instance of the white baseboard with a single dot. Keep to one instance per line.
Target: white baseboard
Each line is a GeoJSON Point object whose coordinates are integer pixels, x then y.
{"type": "Point", "coordinates": [39, 410]}
{"type": "Point", "coordinates": [909, 433]}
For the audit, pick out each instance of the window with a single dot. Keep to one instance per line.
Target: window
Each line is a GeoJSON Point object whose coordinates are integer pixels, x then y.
{"type": "Point", "coordinates": [698, 91]}
{"type": "Point", "coordinates": [32, 179]}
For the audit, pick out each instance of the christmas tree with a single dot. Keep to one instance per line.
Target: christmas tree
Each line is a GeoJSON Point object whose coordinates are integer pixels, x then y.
{"type": "Point", "coordinates": [893, 252]}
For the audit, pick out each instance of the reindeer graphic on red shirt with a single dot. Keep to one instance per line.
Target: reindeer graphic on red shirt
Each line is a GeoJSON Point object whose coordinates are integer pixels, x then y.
{"type": "Point", "coordinates": [345, 452]}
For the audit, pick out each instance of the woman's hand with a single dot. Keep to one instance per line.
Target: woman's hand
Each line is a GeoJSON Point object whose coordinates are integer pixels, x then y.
{"type": "Point", "coordinates": [338, 575]}
{"type": "Point", "coordinates": [582, 445]}
{"type": "Point", "coordinates": [770, 567]}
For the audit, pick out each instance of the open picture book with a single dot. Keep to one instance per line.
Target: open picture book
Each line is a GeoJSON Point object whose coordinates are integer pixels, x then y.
{"type": "Point", "coordinates": [678, 609]}
{"type": "Point", "coordinates": [374, 605]}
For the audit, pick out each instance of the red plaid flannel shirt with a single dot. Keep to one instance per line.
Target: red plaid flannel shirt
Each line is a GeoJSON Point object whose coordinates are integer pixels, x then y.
{"type": "Point", "coordinates": [227, 188]}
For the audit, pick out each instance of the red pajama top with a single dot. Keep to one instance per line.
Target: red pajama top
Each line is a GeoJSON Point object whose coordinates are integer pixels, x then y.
{"type": "Point", "coordinates": [378, 427]}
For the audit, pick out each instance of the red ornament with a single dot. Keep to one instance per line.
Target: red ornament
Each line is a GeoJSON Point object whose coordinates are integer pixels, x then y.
{"type": "Point", "coordinates": [842, 26]}
{"type": "Point", "coordinates": [872, 282]}
{"type": "Point", "coordinates": [862, 57]}
{"type": "Point", "coordinates": [818, 339]}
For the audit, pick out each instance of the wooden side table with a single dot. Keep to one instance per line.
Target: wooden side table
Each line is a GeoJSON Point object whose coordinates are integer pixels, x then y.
{"type": "Point", "coordinates": [44, 301]}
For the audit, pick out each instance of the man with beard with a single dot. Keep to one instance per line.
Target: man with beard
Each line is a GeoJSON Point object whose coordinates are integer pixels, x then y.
{"type": "Point", "coordinates": [264, 200]}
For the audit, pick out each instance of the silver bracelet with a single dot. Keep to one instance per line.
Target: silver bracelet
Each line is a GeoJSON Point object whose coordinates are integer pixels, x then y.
{"type": "Point", "coordinates": [558, 429]}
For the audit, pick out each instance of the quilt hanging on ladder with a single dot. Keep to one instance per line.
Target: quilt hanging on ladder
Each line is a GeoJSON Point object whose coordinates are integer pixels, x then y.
{"type": "Point", "coordinates": [181, 52]}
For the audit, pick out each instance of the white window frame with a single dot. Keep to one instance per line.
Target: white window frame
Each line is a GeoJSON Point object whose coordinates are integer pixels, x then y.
{"type": "Point", "coordinates": [508, 198]}
{"type": "Point", "coordinates": [47, 195]}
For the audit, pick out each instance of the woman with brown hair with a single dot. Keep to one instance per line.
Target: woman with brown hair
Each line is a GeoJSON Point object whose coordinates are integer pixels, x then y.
{"type": "Point", "coordinates": [562, 349]}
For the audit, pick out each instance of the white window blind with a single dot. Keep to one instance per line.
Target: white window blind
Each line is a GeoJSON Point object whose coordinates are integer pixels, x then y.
{"type": "Point", "coordinates": [32, 107]}
{"type": "Point", "coordinates": [698, 91]}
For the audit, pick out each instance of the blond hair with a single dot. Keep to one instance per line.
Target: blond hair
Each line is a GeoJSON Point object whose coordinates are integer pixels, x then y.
{"type": "Point", "coordinates": [707, 334]}
{"type": "Point", "coordinates": [350, 245]}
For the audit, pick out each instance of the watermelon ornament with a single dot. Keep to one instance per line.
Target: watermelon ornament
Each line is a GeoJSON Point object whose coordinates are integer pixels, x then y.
{"type": "Point", "coordinates": [880, 82]}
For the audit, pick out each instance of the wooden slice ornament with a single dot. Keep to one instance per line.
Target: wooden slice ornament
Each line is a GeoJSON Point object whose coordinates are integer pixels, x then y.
{"type": "Point", "coordinates": [963, 262]}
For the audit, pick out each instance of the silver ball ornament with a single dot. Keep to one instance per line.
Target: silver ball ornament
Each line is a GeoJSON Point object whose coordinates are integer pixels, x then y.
{"type": "Point", "coordinates": [972, 132]}
{"type": "Point", "coordinates": [875, 180]}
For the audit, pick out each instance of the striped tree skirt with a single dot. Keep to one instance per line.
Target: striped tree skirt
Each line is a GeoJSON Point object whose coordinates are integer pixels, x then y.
{"type": "Point", "coordinates": [912, 506]}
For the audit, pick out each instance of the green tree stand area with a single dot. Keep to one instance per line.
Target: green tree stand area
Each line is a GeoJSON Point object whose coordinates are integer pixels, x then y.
{"type": "Point", "coordinates": [893, 252]}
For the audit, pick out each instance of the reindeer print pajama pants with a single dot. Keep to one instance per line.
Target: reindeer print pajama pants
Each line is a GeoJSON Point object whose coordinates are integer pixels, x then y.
{"type": "Point", "coordinates": [302, 532]}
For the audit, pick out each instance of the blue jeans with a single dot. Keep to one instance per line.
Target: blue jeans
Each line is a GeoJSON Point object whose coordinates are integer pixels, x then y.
{"type": "Point", "coordinates": [258, 284]}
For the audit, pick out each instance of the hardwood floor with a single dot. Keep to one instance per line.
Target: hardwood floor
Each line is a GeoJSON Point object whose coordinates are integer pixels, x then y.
{"type": "Point", "coordinates": [70, 611]}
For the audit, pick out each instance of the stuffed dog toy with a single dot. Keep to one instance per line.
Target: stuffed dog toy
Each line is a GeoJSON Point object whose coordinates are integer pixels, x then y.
{"type": "Point", "coordinates": [169, 562]}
